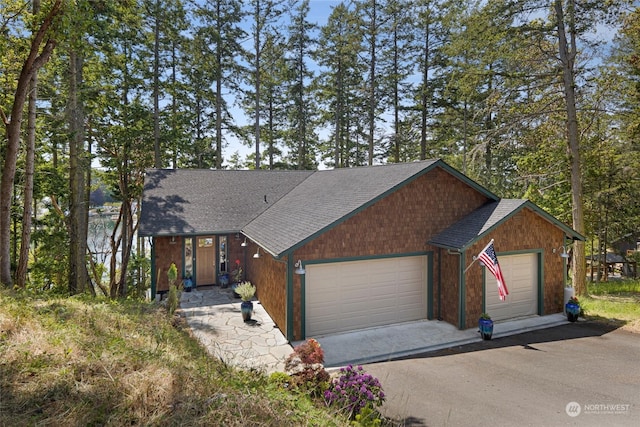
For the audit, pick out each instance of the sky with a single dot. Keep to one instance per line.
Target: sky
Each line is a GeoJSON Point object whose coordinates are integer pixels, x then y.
{"type": "Point", "coordinates": [319, 11]}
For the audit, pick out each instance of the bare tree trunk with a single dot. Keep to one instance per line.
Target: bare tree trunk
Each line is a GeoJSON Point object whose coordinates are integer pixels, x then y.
{"type": "Point", "coordinates": [372, 82]}
{"type": "Point", "coordinates": [77, 224]}
{"type": "Point", "coordinates": [257, 81]}
{"type": "Point", "coordinates": [27, 212]}
{"type": "Point", "coordinates": [157, 162]}
{"type": "Point", "coordinates": [36, 59]}
{"type": "Point", "coordinates": [87, 197]}
{"type": "Point", "coordinates": [567, 53]}
{"type": "Point", "coordinates": [424, 98]}
{"type": "Point", "coordinates": [219, 50]}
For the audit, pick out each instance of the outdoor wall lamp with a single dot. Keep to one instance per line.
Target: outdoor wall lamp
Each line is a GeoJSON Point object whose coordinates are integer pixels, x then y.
{"type": "Point", "coordinates": [564, 253]}
{"type": "Point", "coordinates": [257, 254]}
{"type": "Point", "coordinates": [299, 268]}
{"type": "Point", "coordinates": [244, 244]}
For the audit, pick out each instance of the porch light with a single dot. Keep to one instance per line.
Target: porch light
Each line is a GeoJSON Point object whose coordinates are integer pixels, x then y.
{"type": "Point", "coordinates": [564, 253]}
{"type": "Point", "coordinates": [244, 244]}
{"type": "Point", "coordinates": [299, 268]}
{"type": "Point", "coordinates": [257, 254]}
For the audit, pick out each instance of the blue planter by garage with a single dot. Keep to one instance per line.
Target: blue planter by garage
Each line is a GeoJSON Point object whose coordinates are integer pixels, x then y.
{"type": "Point", "coordinates": [573, 311]}
{"type": "Point", "coordinates": [486, 328]}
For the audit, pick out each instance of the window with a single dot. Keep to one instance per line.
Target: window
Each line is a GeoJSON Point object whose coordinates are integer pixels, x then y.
{"type": "Point", "coordinates": [205, 242]}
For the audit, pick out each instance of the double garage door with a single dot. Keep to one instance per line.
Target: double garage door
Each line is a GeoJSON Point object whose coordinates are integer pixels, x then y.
{"type": "Point", "coordinates": [344, 296]}
{"type": "Point", "coordinates": [521, 276]}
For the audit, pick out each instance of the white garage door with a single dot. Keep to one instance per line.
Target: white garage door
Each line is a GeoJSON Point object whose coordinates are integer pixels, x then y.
{"type": "Point", "coordinates": [345, 296]}
{"type": "Point", "coordinates": [521, 276]}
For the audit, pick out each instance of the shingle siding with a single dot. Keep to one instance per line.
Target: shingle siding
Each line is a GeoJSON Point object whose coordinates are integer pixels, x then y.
{"type": "Point", "coordinates": [400, 223]}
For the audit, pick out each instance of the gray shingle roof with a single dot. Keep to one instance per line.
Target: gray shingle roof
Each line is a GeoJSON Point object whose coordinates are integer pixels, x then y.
{"type": "Point", "coordinates": [198, 201]}
{"type": "Point", "coordinates": [466, 231]}
{"type": "Point", "coordinates": [469, 229]}
{"type": "Point", "coordinates": [325, 199]}
{"type": "Point", "coordinates": [282, 210]}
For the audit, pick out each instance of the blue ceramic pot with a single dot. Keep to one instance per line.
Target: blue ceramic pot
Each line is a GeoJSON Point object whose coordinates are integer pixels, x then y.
{"type": "Point", "coordinates": [573, 311]}
{"type": "Point", "coordinates": [486, 328]}
{"type": "Point", "coordinates": [246, 307]}
{"type": "Point", "coordinates": [223, 278]}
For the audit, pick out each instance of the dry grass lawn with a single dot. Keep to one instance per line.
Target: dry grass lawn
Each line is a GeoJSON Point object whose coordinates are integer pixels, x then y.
{"type": "Point", "coordinates": [81, 361]}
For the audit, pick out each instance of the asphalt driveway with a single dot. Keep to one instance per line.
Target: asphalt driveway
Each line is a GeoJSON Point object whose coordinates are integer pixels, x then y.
{"type": "Point", "coordinates": [584, 373]}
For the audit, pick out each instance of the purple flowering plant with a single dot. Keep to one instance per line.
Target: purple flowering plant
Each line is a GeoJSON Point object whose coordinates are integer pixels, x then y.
{"type": "Point", "coordinates": [353, 390]}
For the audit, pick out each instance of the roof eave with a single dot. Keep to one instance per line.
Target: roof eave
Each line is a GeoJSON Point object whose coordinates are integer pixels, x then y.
{"type": "Point", "coordinates": [567, 230]}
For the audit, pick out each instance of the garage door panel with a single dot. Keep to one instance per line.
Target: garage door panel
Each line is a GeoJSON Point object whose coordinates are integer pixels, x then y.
{"type": "Point", "coordinates": [521, 277]}
{"type": "Point", "coordinates": [359, 294]}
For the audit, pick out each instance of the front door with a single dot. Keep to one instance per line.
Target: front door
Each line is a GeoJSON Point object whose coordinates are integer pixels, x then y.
{"type": "Point", "coordinates": [205, 260]}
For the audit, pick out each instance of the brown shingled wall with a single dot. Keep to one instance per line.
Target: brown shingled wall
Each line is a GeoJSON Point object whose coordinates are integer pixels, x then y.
{"type": "Point", "coordinates": [166, 252]}
{"type": "Point", "coordinates": [402, 222]}
{"type": "Point", "coordinates": [269, 277]}
{"type": "Point", "coordinates": [524, 231]}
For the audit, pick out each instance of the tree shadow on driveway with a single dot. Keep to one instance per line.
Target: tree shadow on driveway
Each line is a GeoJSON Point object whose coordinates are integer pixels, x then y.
{"type": "Point", "coordinates": [528, 340]}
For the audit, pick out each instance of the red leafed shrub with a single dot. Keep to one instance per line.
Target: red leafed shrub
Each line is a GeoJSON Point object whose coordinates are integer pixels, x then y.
{"type": "Point", "coordinates": [305, 366]}
{"type": "Point", "coordinates": [309, 352]}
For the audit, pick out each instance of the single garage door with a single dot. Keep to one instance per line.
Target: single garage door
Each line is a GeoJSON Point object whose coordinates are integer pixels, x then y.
{"type": "Point", "coordinates": [345, 296]}
{"type": "Point", "coordinates": [521, 276]}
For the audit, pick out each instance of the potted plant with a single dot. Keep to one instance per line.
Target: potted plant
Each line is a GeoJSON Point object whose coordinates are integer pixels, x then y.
{"type": "Point", "coordinates": [187, 282]}
{"type": "Point", "coordinates": [485, 325]}
{"type": "Point", "coordinates": [572, 307]}
{"type": "Point", "coordinates": [246, 291]}
{"type": "Point", "coordinates": [223, 278]}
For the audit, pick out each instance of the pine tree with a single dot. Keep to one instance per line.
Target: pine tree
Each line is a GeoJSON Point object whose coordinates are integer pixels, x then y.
{"type": "Point", "coordinates": [302, 113]}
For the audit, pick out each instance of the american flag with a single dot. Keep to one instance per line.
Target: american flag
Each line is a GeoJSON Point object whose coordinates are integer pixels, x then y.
{"type": "Point", "coordinates": [490, 260]}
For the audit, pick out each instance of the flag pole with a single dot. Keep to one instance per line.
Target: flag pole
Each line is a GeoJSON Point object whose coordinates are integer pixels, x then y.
{"type": "Point", "coordinates": [475, 258]}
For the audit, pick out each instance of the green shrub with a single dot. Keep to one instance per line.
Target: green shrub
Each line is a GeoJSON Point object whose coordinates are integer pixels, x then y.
{"type": "Point", "coordinates": [172, 299]}
{"type": "Point", "coordinates": [367, 417]}
{"type": "Point", "coordinates": [280, 379]}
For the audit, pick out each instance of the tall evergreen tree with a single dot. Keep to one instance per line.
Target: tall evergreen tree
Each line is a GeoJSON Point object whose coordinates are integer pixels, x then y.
{"type": "Point", "coordinates": [218, 22]}
{"type": "Point", "coordinates": [372, 21]}
{"type": "Point", "coordinates": [302, 114]}
{"type": "Point", "coordinates": [398, 57]}
{"type": "Point", "coordinates": [339, 85]}
{"type": "Point", "coordinates": [264, 17]}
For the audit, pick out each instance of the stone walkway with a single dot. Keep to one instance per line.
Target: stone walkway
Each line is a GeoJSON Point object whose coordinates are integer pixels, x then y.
{"type": "Point", "coordinates": [215, 319]}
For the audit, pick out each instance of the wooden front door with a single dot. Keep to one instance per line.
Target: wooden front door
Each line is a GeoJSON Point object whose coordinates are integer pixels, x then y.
{"type": "Point", "coordinates": [205, 260]}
